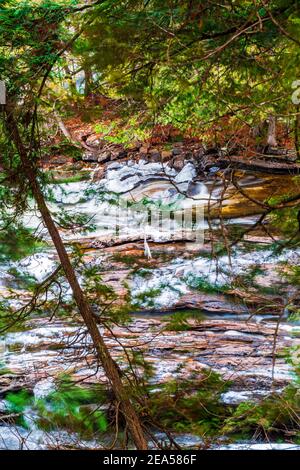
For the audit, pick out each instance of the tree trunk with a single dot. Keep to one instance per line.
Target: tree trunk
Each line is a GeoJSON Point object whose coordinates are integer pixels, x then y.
{"type": "Point", "coordinates": [67, 134]}
{"type": "Point", "coordinates": [87, 81]}
{"type": "Point", "coordinates": [62, 126]}
{"type": "Point", "coordinates": [71, 80]}
{"type": "Point", "coordinates": [296, 133]}
{"type": "Point", "coordinates": [271, 138]}
{"type": "Point", "coordinates": [110, 367]}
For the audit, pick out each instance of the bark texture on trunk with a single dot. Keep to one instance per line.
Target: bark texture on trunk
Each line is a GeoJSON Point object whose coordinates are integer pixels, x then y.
{"type": "Point", "coordinates": [62, 126]}
{"type": "Point", "coordinates": [271, 139]}
{"type": "Point", "coordinates": [297, 126]}
{"type": "Point", "coordinates": [88, 78]}
{"type": "Point", "coordinates": [111, 369]}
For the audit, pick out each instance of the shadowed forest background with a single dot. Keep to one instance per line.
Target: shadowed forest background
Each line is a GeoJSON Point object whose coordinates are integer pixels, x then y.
{"type": "Point", "coordinates": [122, 325]}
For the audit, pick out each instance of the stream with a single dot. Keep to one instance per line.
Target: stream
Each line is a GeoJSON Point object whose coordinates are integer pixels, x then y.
{"type": "Point", "coordinates": [175, 273]}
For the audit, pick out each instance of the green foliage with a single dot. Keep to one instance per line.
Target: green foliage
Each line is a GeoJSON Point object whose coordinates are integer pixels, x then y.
{"type": "Point", "coordinates": [286, 220]}
{"type": "Point", "coordinates": [273, 417]}
{"type": "Point", "coordinates": [101, 196]}
{"type": "Point", "coordinates": [94, 284]}
{"type": "Point", "coordinates": [22, 280]}
{"type": "Point", "coordinates": [204, 285]}
{"type": "Point", "coordinates": [80, 176]}
{"type": "Point", "coordinates": [74, 221]}
{"type": "Point", "coordinates": [70, 407]}
{"type": "Point", "coordinates": [172, 59]}
{"type": "Point", "coordinates": [102, 297]}
{"type": "Point", "coordinates": [136, 262]}
{"type": "Point", "coordinates": [293, 275]}
{"type": "Point", "coordinates": [65, 148]}
{"type": "Point", "coordinates": [253, 272]}
{"type": "Point", "coordinates": [146, 298]}
{"type": "Point", "coordinates": [17, 403]}
{"type": "Point", "coordinates": [176, 63]}
{"type": "Point", "coordinates": [129, 260]}
{"type": "Point", "coordinates": [148, 203]}
{"type": "Point", "coordinates": [179, 321]}
{"type": "Point", "coordinates": [143, 371]}
{"type": "Point", "coordinates": [143, 272]}
{"type": "Point", "coordinates": [190, 406]}
{"type": "Point", "coordinates": [118, 132]}
{"type": "Point", "coordinates": [17, 241]}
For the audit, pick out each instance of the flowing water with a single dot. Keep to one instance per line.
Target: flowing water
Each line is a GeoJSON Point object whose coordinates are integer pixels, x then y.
{"type": "Point", "coordinates": [37, 354]}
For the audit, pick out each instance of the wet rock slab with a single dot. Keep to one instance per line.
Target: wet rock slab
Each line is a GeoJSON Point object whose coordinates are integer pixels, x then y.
{"type": "Point", "coordinates": [242, 352]}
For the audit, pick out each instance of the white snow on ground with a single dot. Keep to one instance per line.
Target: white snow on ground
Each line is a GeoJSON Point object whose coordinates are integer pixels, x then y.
{"type": "Point", "coordinates": [233, 397]}
{"type": "Point", "coordinates": [38, 336]}
{"type": "Point", "coordinates": [132, 181]}
{"type": "Point", "coordinates": [121, 178]}
{"type": "Point", "coordinates": [39, 265]}
{"type": "Point", "coordinates": [179, 276]}
{"type": "Point", "coordinates": [260, 446]}
{"type": "Point", "coordinates": [167, 288]}
{"type": "Point", "coordinates": [188, 173]}
{"type": "Point", "coordinates": [44, 387]}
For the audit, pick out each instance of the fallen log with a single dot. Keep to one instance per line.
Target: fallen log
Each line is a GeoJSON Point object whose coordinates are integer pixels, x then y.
{"type": "Point", "coordinates": [256, 164]}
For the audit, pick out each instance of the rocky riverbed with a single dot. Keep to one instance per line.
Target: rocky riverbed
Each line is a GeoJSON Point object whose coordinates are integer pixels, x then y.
{"type": "Point", "coordinates": [238, 328]}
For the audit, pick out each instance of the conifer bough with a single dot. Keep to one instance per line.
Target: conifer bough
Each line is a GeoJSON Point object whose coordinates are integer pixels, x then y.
{"type": "Point", "coordinates": [111, 369]}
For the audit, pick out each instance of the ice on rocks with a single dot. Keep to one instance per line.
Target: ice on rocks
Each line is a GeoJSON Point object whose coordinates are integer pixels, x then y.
{"type": "Point", "coordinates": [43, 388]}
{"type": "Point", "coordinates": [187, 174]}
